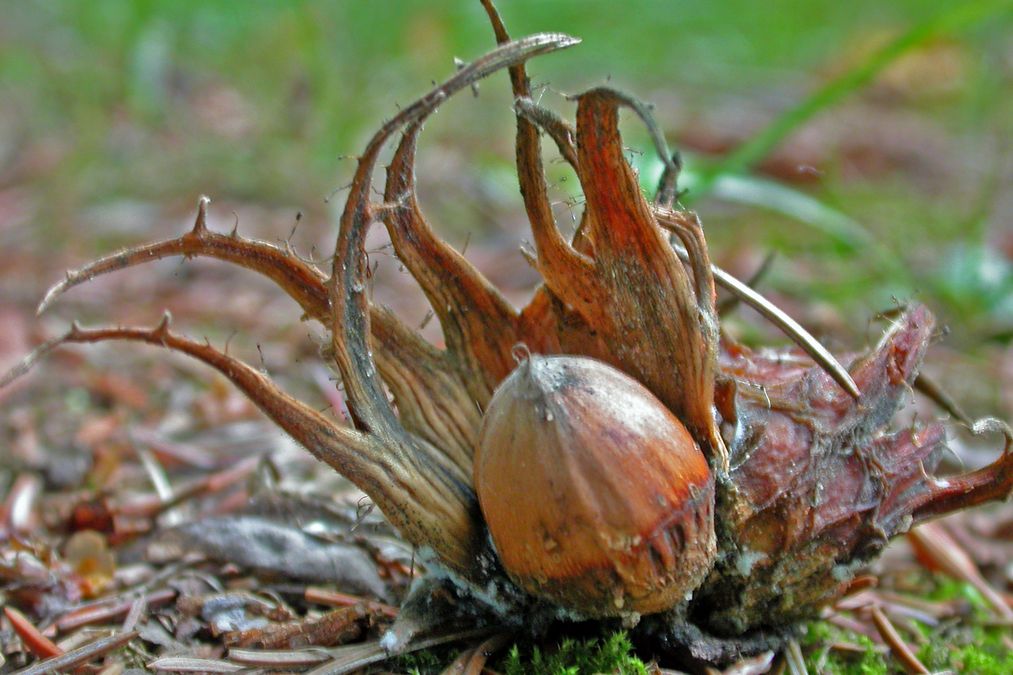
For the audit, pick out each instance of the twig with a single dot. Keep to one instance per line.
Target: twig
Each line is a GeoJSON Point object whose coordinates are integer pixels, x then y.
{"type": "Point", "coordinates": [778, 317]}
{"type": "Point", "coordinates": [728, 305]}
{"type": "Point", "coordinates": [934, 542]}
{"type": "Point", "coordinates": [192, 664]}
{"type": "Point", "coordinates": [475, 664]}
{"type": "Point", "coordinates": [935, 393]}
{"type": "Point", "coordinates": [323, 596]}
{"type": "Point", "coordinates": [111, 610]}
{"type": "Point", "coordinates": [31, 637]}
{"type": "Point", "coordinates": [900, 649]}
{"type": "Point", "coordinates": [79, 656]}
{"type": "Point", "coordinates": [794, 659]}
{"type": "Point", "coordinates": [353, 657]}
{"type": "Point", "coordinates": [279, 659]}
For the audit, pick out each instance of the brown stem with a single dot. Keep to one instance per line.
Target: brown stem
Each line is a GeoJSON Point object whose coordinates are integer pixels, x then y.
{"type": "Point", "coordinates": [350, 305]}
{"type": "Point", "coordinates": [728, 305]}
{"type": "Point", "coordinates": [991, 483]}
{"type": "Point", "coordinates": [420, 508]}
{"type": "Point", "coordinates": [478, 324]}
{"type": "Point", "coordinates": [668, 185]}
{"type": "Point", "coordinates": [569, 274]}
{"type": "Point", "coordinates": [938, 395]}
{"type": "Point", "coordinates": [559, 320]}
{"type": "Point", "coordinates": [562, 134]}
{"type": "Point", "coordinates": [456, 537]}
{"type": "Point", "coordinates": [303, 282]}
{"type": "Point", "coordinates": [565, 271]}
{"type": "Point", "coordinates": [549, 324]}
{"type": "Point", "coordinates": [428, 391]}
{"type": "Point", "coordinates": [686, 226]}
{"type": "Point", "coordinates": [357, 456]}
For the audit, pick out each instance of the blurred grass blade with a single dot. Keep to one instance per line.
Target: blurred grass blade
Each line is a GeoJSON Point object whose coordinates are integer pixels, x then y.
{"type": "Point", "coordinates": [810, 211]}
{"type": "Point", "coordinates": [960, 16]}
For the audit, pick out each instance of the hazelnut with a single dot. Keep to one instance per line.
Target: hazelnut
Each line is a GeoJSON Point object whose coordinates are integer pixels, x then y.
{"type": "Point", "coordinates": [596, 496]}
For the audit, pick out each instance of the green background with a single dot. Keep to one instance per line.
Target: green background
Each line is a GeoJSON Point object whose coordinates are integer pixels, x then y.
{"type": "Point", "coordinates": [116, 115]}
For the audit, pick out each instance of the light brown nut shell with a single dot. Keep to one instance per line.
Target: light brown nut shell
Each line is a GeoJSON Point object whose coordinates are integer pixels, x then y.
{"type": "Point", "coordinates": [596, 496]}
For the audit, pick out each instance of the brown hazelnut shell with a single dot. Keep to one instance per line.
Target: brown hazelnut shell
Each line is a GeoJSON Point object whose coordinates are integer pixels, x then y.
{"type": "Point", "coordinates": [596, 496]}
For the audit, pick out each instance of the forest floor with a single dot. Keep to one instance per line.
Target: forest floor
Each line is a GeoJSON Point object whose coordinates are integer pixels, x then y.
{"type": "Point", "coordinates": [150, 518]}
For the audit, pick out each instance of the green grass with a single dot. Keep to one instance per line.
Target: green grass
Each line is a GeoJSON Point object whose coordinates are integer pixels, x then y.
{"type": "Point", "coordinates": [121, 103]}
{"type": "Point", "coordinates": [124, 88]}
{"type": "Point", "coordinates": [945, 23]}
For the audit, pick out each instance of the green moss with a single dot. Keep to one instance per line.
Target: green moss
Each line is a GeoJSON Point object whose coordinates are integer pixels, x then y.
{"type": "Point", "coordinates": [820, 659]}
{"type": "Point", "coordinates": [952, 589]}
{"type": "Point", "coordinates": [575, 657]}
{"type": "Point", "coordinates": [425, 661]}
{"type": "Point", "coordinates": [612, 654]}
{"type": "Point", "coordinates": [975, 649]}
{"type": "Point", "coordinates": [965, 647]}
